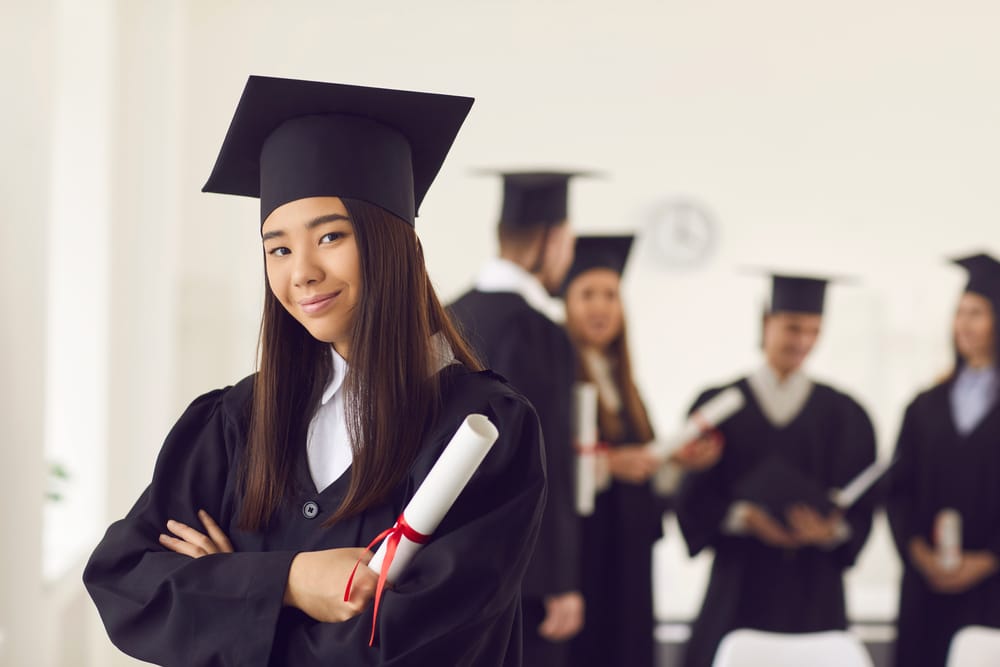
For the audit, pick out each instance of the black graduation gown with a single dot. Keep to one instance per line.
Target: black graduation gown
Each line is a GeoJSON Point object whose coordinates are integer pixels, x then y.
{"type": "Point", "coordinates": [457, 603]}
{"type": "Point", "coordinates": [617, 579]}
{"type": "Point", "coordinates": [753, 585]}
{"type": "Point", "coordinates": [937, 469]}
{"type": "Point", "coordinates": [535, 355]}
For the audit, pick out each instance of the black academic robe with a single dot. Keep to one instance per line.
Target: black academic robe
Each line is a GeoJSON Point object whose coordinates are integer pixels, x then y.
{"type": "Point", "coordinates": [456, 604]}
{"type": "Point", "coordinates": [535, 355]}
{"type": "Point", "coordinates": [753, 585]}
{"type": "Point", "coordinates": [936, 469]}
{"type": "Point", "coordinates": [617, 579]}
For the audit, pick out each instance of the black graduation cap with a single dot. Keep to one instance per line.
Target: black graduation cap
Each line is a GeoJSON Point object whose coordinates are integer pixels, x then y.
{"type": "Point", "coordinates": [536, 198]}
{"type": "Point", "coordinates": [984, 276]}
{"type": "Point", "coordinates": [776, 485]}
{"type": "Point", "coordinates": [291, 139]}
{"type": "Point", "coordinates": [797, 294]}
{"type": "Point", "coordinates": [600, 252]}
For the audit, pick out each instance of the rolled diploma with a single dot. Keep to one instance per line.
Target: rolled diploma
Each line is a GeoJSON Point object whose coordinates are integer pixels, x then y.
{"type": "Point", "coordinates": [847, 496]}
{"type": "Point", "coordinates": [711, 414]}
{"type": "Point", "coordinates": [443, 484]}
{"type": "Point", "coordinates": [585, 436]}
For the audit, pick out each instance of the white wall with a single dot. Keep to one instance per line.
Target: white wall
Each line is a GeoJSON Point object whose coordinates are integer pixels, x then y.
{"type": "Point", "coordinates": [857, 138]}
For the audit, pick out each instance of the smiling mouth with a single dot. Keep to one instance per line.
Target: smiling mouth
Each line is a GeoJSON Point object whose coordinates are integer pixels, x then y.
{"type": "Point", "coordinates": [317, 304]}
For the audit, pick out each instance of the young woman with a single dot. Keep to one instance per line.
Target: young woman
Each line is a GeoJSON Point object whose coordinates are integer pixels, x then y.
{"type": "Point", "coordinates": [949, 458]}
{"type": "Point", "coordinates": [240, 550]}
{"type": "Point", "coordinates": [618, 537]}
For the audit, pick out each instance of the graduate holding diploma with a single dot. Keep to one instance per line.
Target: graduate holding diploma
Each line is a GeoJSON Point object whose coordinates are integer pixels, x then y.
{"type": "Point", "coordinates": [781, 546]}
{"type": "Point", "coordinates": [265, 493]}
{"type": "Point", "coordinates": [618, 537]}
{"type": "Point", "coordinates": [948, 469]}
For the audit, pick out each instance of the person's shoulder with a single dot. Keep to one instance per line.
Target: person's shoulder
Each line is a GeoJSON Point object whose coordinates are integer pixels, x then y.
{"type": "Point", "coordinates": [932, 396]}
{"type": "Point", "coordinates": [231, 403]}
{"type": "Point", "coordinates": [464, 385]}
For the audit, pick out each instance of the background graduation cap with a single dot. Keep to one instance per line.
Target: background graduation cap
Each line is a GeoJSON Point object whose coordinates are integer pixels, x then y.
{"type": "Point", "coordinates": [599, 252]}
{"type": "Point", "coordinates": [797, 294]}
{"type": "Point", "coordinates": [291, 139]}
{"type": "Point", "coordinates": [984, 277]}
{"type": "Point", "coordinates": [535, 198]}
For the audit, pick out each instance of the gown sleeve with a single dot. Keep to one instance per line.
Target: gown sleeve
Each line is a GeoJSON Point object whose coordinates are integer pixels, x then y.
{"type": "Point", "coordinates": [703, 499]}
{"type": "Point", "coordinates": [856, 451]}
{"type": "Point", "coordinates": [537, 360]}
{"type": "Point", "coordinates": [459, 600]}
{"type": "Point", "coordinates": [168, 608]}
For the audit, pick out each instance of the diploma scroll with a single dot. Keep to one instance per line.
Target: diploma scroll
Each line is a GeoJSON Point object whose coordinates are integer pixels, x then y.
{"type": "Point", "coordinates": [707, 417]}
{"type": "Point", "coordinates": [439, 490]}
{"type": "Point", "coordinates": [853, 490]}
{"type": "Point", "coordinates": [585, 437]}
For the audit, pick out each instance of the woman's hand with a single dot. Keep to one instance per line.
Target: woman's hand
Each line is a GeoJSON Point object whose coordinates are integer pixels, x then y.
{"type": "Point", "coordinates": [632, 463]}
{"type": "Point", "coordinates": [194, 543]}
{"type": "Point", "coordinates": [974, 567]}
{"type": "Point", "coordinates": [317, 581]}
{"type": "Point", "coordinates": [699, 454]}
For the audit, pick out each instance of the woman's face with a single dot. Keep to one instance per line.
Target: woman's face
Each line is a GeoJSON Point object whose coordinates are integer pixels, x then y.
{"type": "Point", "coordinates": [313, 267]}
{"type": "Point", "coordinates": [594, 309]}
{"type": "Point", "coordinates": [974, 328]}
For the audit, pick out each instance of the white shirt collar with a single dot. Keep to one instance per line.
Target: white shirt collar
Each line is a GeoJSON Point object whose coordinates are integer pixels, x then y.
{"type": "Point", "coordinates": [781, 401]}
{"type": "Point", "coordinates": [502, 275]}
{"type": "Point", "coordinates": [441, 349]}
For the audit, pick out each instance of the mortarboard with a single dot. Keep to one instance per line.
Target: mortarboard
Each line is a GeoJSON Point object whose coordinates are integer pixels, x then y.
{"type": "Point", "coordinates": [600, 252]}
{"type": "Point", "coordinates": [290, 139]}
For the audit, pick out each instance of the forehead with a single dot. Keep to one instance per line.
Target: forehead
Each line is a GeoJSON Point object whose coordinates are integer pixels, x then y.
{"type": "Point", "coordinates": [302, 211]}
{"type": "Point", "coordinates": [798, 319]}
{"type": "Point", "coordinates": [597, 278]}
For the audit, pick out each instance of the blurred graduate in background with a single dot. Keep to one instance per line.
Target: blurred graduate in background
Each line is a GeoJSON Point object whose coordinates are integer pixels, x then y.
{"type": "Point", "coordinates": [949, 463]}
{"type": "Point", "coordinates": [617, 545]}
{"type": "Point", "coordinates": [780, 547]}
{"type": "Point", "coordinates": [515, 325]}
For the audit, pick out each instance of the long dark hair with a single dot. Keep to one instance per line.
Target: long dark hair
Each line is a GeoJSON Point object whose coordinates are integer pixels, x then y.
{"type": "Point", "coordinates": [633, 420]}
{"type": "Point", "coordinates": [392, 394]}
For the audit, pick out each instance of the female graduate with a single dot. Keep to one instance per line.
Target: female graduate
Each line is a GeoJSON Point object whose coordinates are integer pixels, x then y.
{"type": "Point", "coordinates": [949, 458]}
{"type": "Point", "coordinates": [617, 543]}
{"type": "Point", "coordinates": [240, 549]}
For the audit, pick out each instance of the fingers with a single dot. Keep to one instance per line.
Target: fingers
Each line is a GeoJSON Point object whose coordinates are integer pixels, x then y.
{"type": "Point", "coordinates": [181, 547]}
{"type": "Point", "coordinates": [192, 536]}
{"type": "Point", "coordinates": [218, 537]}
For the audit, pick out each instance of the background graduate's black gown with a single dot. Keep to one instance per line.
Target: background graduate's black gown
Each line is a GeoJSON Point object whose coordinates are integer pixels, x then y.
{"type": "Point", "coordinates": [753, 585]}
{"type": "Point", "coordinates": [617, 561]}
{"type": "Point", "coordinates": [535, 355]}
{"type": "Point", "coordinates": [937, 469]}
{"type": "Point", "coordinates": [457, 604]}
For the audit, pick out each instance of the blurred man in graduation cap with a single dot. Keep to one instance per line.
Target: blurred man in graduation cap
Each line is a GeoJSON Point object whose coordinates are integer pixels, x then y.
{"type": "Point", "coordinates": [949, 459]}
{"type": "Point", "coordinates": [780, 546]}
{"type": "Point", "coordinates": [515, 324]}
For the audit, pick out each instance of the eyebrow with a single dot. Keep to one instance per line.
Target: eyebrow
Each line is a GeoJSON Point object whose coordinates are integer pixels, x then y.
{"type": "Point", "coordinates": [312, 224]}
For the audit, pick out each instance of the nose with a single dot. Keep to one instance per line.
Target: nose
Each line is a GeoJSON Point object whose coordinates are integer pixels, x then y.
{"type": "Point", "coordinates": [306, 271]}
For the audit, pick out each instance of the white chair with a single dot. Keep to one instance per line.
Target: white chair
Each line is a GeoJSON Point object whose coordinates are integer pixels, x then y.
{"type": "Point", "coordinates": [753, 648]}
{"type": "Point", "coordinates": [975, 646]}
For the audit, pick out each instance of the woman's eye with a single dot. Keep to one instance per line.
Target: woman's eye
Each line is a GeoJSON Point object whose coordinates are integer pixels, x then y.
{"type": "Point", "coordinates": [331, 237]}
{"type": "Point", "coordinates": [278, 252]}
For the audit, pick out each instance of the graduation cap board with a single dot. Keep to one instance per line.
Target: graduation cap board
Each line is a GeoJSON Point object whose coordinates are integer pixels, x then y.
{"type": "Point", "coordinates": [797, 294]}
{"type": "Point", "coordinates": [984, 276]}
{"type": "Point", "coordinates": [535, 198]}
{"type": "Point", "coordinates": [600, 252]}
{"type": "Point", "coordinates": [290, 139]}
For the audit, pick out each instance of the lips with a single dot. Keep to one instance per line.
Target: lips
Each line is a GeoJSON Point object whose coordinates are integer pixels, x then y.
{"type": "Point", "coordinates": [318, 303]}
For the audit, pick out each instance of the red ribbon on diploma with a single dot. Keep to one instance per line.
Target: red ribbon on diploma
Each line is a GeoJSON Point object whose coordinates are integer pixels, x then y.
{"type": "Point", "coordinates": [707, 430]}
{"type": "Point", "coordinates": [392, 536]}
{"type": "Point", "coordinates": [597, 448]}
